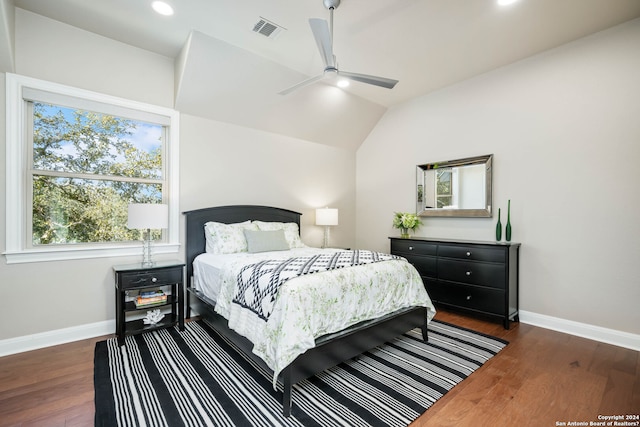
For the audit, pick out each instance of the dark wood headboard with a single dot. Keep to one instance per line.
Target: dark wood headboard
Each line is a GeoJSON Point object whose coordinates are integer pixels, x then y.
{"type": "Point", "coordinates": [196, 219]}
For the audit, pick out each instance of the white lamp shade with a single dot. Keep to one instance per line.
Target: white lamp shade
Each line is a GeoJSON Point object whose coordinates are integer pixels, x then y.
{"type": "Point", "coordinates": [148, 215]}
{"type": "Point", "coordinates": [326, 216]}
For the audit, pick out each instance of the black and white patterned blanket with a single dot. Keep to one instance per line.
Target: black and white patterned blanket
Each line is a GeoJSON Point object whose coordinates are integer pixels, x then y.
{"type": "Point", "coordinates": [258, 283]}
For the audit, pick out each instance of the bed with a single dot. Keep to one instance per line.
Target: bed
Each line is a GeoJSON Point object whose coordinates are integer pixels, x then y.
{"type": "Point", "coordinates": [329, 349]}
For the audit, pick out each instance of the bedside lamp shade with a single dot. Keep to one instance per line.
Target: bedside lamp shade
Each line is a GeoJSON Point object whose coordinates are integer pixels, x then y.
{"type": "Point", "coordinates": [327, 217]}
{"type": "Point", "coordinates": [147, 216]}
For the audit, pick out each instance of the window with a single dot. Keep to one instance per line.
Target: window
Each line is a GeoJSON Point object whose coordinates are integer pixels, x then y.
{"type": "Point", "coordinates": [444, 188]}
{"type": "Point", "coordinates": [75, 160]}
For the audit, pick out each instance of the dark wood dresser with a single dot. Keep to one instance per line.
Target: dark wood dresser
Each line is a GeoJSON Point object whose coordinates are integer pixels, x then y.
{"type": "Point", "coordinates": [478, 277]}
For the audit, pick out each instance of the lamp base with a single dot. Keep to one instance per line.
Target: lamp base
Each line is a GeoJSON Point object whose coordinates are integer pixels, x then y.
{"type": "Point", "coordinates": [146, 250]}
{"type": "Point", "coordinates": [325, 242]}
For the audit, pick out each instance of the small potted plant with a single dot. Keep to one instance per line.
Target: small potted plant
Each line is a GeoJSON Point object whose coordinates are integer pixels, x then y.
{"type": "Point", "coordinates": [406, 221]}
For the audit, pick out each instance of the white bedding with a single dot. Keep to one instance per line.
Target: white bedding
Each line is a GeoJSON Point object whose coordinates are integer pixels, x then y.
{"type": "Point", "coordinates": [310, 306]}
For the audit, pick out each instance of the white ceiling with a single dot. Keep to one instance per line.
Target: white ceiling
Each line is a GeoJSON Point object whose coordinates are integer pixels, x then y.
{"type": "Point", "coordinates": [425, 44]}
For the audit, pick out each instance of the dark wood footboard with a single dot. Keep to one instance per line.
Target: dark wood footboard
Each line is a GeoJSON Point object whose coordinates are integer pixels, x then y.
{"type": "Point", "coordinates": [330, 349]}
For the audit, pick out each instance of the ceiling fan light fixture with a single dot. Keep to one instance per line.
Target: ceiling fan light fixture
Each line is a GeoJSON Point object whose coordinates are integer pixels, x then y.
{"type": "Point", "coordinates": [162, 8]}
{"type": "Point", "coordinates": [506, 2]}
{"type": "Point", "coordinates": [323, 34]}
{"type": "Point", "coordinates": [343, 83]}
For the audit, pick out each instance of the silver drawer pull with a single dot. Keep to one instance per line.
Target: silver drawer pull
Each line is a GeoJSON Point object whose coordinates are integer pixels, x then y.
{"type": "Point", "coordinates": [410, 248]}
{"type": "Point", "coordinates": [154, 280]}
{"type": "Point", "coordinates": [468, 273]}
{"type": "Point", "coordinates": [468, 253]}
{"type": "Point", "coordinates": [468, 297]}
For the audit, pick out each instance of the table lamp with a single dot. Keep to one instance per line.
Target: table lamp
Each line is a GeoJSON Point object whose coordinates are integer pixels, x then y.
{"type": "Point", "coordinates": [147, 216]}
{"type": "Point", "coordinates": [327, 217]}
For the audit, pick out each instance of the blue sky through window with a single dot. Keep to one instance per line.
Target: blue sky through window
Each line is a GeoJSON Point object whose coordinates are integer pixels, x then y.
{"type": "Point", "coordinates": [144, 137]}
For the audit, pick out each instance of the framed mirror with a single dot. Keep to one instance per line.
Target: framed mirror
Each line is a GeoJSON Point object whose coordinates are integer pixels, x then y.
{"type": "Point", "coordinates": [456, 188]}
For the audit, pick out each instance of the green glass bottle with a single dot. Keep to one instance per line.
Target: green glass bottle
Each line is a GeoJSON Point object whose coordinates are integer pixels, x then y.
{"type": "Point", "coordinates": [498, 228]}
{"type": "Point", "coordinates": [507, 234]}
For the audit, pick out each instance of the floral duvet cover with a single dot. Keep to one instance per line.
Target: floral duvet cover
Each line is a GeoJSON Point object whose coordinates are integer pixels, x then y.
{"type": "Point", "coordinates": [310, 306]}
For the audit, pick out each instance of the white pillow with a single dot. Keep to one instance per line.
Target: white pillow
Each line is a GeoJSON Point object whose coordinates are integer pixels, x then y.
{"type": "Point", "coordinates": [264, 241]}
{"type": "Point", "coordinates": [226, 238]}
{"type": "Point", "coordinates": [291, 232]}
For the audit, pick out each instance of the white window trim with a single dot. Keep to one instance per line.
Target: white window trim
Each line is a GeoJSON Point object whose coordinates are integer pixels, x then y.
{"type": "Point", "coordinates": [16, 191]}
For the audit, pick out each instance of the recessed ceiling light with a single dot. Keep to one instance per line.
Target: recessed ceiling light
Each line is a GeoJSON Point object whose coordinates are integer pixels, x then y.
{"type": "Point", "coordinates": [162, 8]}
{"type": "Point", "coordinates": [343, 83]}
{"type": "Point", "coordinates": [506, 2]}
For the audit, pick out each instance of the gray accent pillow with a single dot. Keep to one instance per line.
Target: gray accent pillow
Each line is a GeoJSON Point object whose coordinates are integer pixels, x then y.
{"type": "Point", "coordinates": [263, 241]}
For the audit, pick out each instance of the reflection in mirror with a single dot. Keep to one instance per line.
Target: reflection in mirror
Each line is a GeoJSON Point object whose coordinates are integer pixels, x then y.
{"type": "Point", "coordinates": [459, 188]}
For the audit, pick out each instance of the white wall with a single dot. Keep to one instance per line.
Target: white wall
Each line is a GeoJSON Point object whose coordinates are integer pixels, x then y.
{"type": "Point", "coordinates": [224, 164]}
{"type": "Point", "coordinates": [564, 128]}
{"type": "Point", "coordinates": [553, 122]}
{"type": "Point", "coordinates": [220, 164]}
{"type": "Point", "coordinates": [48, 296]}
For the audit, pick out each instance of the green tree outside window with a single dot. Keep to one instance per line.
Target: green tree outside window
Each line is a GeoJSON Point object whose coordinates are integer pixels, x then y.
{"type": "Point", "coordinates": [86, 168]}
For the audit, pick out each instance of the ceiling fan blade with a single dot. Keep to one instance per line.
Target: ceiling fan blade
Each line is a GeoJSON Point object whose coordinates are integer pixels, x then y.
{"type": "Point", "coordinates": [301, 85]}
{"type": "Point", "coordinates": [372, 80]}
{"type": "Point", "coordinates": [321, 33]}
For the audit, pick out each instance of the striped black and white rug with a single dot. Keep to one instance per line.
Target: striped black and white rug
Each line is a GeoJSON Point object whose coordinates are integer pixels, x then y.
{"type": "Point", "coordinates": [196, 378]}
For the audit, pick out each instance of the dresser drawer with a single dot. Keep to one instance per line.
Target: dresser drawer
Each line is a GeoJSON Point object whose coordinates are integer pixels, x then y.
{"type": "Point", "coordinates": [470, 297]}
{"type": "Point", "coordinates": [426, 266]}
{"type": "Point", "coordinates": [476, 273]}
{"type": "Point", "coordinates": [472, 253]}
{"type": "Point", "coordinates": [151, 278]}
{"type": "Point", "coordinates": [408, 246]}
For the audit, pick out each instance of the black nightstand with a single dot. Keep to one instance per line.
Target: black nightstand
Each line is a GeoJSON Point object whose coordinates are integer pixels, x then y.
{"type": "Point", "coordinates": [135, 278]}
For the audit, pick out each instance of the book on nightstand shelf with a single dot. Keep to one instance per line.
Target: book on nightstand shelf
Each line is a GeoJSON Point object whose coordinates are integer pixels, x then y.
{"type": "Point", "coordinates": [149, 298]}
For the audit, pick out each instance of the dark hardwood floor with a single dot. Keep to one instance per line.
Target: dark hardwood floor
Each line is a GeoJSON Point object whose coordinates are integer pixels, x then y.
{"type": "Point", "coordinates": [542, 378]}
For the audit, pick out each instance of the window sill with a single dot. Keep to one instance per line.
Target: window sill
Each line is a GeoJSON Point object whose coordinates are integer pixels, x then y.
{"type": "Point", "coordinates": [63, 254]}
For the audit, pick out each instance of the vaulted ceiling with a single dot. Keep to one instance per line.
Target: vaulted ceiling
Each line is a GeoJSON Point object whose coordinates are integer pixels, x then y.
{"type": "Point", "coordinates": [226, 71]}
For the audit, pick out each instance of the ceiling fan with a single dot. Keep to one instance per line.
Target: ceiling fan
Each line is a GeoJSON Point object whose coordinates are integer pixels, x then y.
{"type": "Point", "coordinates": [323, 33]}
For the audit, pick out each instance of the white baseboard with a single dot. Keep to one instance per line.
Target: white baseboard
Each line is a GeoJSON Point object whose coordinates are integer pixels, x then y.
{"type": "Point", "coordinates": [59, 336]}
{"type": "Point", "coordinates": [76, 333]}
{"type": "Point", "coordinates": [584, 330]}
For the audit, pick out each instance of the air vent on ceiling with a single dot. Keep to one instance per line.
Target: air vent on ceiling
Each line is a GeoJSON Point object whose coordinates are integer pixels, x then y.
{"type": "Point", "coordinates": [267, 28]}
